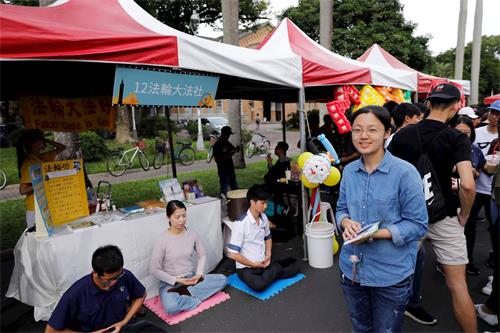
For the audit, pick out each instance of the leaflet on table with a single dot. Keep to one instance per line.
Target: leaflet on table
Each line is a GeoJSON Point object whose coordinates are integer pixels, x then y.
{"type": "Point", "coordinates": [201, 200]}
{"type": "Point", "coordinates": [364, 233]}
{"type": "Point", "coordinates": [171, 189]}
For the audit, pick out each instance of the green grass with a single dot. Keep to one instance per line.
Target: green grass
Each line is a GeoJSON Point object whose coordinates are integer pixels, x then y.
{"type": "Point", "coordinates": [8, 159]}
{"type": "Point", "coordinates": [12, 212]}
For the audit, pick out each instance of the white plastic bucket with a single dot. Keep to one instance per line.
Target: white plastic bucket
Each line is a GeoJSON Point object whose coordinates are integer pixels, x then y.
{"type": "Point", "coordinates": [320, 244]}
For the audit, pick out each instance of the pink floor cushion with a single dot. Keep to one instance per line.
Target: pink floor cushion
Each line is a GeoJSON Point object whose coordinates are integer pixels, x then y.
{"type": "Point", "coordinates": [154, 304]}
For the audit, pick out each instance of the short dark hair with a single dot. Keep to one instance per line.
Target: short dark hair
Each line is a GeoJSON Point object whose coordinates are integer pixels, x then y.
{"type": "Point", "coordinates": [173, 205]}
{"type": "Point", "coordinates": [282, 145]}
{"type": "Point", "coordinates": [327, 119]}
{"type": "Point", "coordinates": [107, 259]}
{"type": "Point", "coordinates": [258, 192]}
{"type": "Point", "coordinates": [421, 106]}
{"type": "Point", "coordinates": [382, 115]}
{"type": "Point", "coordinates": [467, 121]}
{"type": "Point", "coordinates": [389, 106]}
{"type": "Point", "coordinates": [401, 111]}
{"type": "Point", "coordinates": [440, 103]}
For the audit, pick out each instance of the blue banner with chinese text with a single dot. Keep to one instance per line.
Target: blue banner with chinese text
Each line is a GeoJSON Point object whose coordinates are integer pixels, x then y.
{"type": "Point", "coordinates": [145, 87]}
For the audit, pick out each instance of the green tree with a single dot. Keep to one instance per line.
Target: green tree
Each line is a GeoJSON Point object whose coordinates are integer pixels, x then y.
{"type": "Point", "coordinates": [357, 24]}
{"type": "Point", "coordinates": [489, 71]}
{"type": "Point", "coordinates": [177, 13]}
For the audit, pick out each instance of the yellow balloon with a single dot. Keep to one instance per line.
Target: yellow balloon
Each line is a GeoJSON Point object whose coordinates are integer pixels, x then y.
{"type": "Point", "coordinates": [333, 178]}
{"type": "Point", "coordinates": [307, 183]}
{"type": "Point", "coordinates": [335, 245]}
{"type": "Point", "coordinates": [303, 158]}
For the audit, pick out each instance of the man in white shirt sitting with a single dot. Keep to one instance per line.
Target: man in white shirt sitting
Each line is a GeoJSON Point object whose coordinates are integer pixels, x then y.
{"type": "Point", "coordinates": [250, 245]}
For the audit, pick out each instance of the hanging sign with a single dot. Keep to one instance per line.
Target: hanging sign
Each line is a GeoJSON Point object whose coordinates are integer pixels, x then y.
{"type": "Point", "coordinates": [43, 218]}
{"type": "Point", "coordinates": [145, 87]}
{"type": "Point", "coordinates": [68, 114]}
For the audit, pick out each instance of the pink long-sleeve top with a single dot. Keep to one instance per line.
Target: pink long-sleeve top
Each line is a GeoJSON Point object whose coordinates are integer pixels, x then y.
{"type": "Point", "coordinates": [172, 256]}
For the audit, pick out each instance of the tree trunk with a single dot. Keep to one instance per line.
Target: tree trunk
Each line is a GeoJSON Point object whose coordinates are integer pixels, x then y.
{"type": "Point", "coordinates": [459, 57]}
{"type": "Point", "coordinates": [230, 14]}
{"type": "Point", "coordinates": [326, 23]}
{"type": "Point", "coordinates": [123, 125]}
{"type": "Point", "coordinates": [476, 53]}
{"type": "Point", "coordinates": [68, 139]}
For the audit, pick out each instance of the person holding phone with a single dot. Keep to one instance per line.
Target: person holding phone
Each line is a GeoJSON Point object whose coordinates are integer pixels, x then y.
{"type": "Point", "coordinates": [182, 288]}
{"type": "Point", "coordinates": [376, 273]}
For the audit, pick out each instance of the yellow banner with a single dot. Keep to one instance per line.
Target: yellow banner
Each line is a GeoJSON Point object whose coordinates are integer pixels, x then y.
{"type": "Point", "coordinates": [64, 186]}
{"type": "Point", "coordinates": [68, 114]}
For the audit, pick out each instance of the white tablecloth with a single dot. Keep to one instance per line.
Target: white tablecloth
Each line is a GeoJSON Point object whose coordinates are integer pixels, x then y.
{"type": "Point", "coordinates": [46, 267]}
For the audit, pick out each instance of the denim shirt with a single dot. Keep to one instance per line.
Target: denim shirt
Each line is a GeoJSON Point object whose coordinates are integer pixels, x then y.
{"type": "Point", "coordinates": [392, 194]}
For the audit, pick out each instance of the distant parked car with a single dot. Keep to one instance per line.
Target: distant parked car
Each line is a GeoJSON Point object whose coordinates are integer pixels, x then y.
{"type": "Point", "coordinates": [215, 122]}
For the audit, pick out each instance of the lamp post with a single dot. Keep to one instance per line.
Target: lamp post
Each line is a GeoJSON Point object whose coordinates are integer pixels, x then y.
{"type": "Point", "coordinates": [194, 22]}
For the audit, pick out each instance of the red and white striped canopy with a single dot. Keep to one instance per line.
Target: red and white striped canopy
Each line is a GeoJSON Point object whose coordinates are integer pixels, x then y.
{"type": "Point", "coordinates": [323, 67]}
{"type": "Point", "coordinates": [376, 55]}
{"type": "Point", "coordinates": [120, 31]}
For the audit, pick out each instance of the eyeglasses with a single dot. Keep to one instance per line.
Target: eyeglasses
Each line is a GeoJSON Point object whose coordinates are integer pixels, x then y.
{"type": "Point", "coordinates": [370, 131]}
{"type": "Point", "coordinates": [107, 282]}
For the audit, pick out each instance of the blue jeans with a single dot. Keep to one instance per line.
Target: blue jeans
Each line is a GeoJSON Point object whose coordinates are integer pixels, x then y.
{"type": "Point", "coordinates": [417, 278]}
{"type": "Point", "coordinates": [174, 303]}
{"type": "Point", "coordinates": [227, 178]}
{"type": "Point", "coordinates": [376, 309]}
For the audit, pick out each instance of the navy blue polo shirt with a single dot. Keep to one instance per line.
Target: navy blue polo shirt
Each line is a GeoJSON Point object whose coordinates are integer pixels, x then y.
{"type": "Point", "coordinates": [84, 307]}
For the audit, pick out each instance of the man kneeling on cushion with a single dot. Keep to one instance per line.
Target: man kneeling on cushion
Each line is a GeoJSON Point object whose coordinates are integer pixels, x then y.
{"type": "Point", "coordinates": [104, 301]}
{"type": "Point", "coordinates": [250, 245]}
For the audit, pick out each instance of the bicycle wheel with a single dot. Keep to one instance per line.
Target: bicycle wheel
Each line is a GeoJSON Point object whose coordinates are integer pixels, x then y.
{"type": "Point", "coordinates": [264, 147]}
{"type": "Point", "coordinates": [143, 160]}
{"type": "Point", "coordinates": [250, 149]}
{"type": "Point", "coordinates": [117, 164]}
{"type": "Point", "coordinates": [210, 154]}
{"type": "Point", "coordinates": [187, 156]}
{"type": "Point", "coordinates": [158, 160]}
{"type": "Point", "coordinates": [3, 179]}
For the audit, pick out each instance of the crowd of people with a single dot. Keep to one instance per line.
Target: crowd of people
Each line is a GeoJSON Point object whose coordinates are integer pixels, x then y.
{"type": "Point", "coordinates": [436, 163]}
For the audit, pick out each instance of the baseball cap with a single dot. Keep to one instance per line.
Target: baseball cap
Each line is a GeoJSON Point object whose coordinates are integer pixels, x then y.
{"type": "Point", "coordinates": [495, 106]}
{"type": "Point", "coordinates": [445, 91]}
{"type": "Point", "coordinates": [468, 111]}
{"type": "Point", "coordinates": [226, 130]}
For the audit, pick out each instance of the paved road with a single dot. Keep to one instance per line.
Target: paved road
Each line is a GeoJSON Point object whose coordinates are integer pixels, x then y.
{"type": "Point", "coordinates": [271, 131]}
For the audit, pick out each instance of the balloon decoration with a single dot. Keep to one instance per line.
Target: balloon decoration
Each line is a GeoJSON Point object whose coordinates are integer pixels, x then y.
{"type": "Point", "coordinates": [316, 170]}
{"type": "Point", "coordinates": [369, 96]}
{"type": "Point", "coordinates": [335, 245]}
{"type": "Point", "coordinates": [337, 109]}
{"type": "Point", "coordinates": [407, 96]}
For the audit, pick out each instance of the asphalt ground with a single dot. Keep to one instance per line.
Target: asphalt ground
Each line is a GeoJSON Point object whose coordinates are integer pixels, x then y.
{"type": "Point", "coordinates": [314, 304]}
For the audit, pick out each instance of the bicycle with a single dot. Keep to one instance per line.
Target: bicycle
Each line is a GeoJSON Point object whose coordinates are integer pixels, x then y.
{"type": "Point", "coordinates": [119, 161]}
{"type": "Point", "coordinates": [258, 144]}
{"type": "Point", "coordinates": [213, 139]}
{"type": "Point", "coordinates": [3, 179]}
{"type": "Point", "coordinates": [182, 153]}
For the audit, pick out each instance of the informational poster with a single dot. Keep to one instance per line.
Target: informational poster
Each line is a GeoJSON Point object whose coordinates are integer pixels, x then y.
{"type": "Point", "coordinates": [64, 185]}
{"type": "Point", "coordinates": [43, 219]}
{"type": "Point", "coordinates": [68, 114]}
{"type": "Point", "coordinates": [60, 194]}
{"type": "Point", "coordinates": [144, 87]}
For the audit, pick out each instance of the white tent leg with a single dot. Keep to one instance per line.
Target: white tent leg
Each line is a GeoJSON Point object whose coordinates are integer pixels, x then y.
{"type": "Point", "coordinates": [302, 129]}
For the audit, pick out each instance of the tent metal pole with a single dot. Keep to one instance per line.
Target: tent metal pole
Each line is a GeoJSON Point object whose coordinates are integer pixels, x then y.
{"type": "Point", "coordinates": [302, 129]}
{"type": "Point", "coordinates": [170, 142]}
{"type": "Point", "coordinates": [283, 121]}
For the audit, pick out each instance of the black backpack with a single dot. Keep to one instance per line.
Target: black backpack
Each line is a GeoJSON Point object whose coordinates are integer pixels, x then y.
{"type": "Point", "coordinates": [434, 197]}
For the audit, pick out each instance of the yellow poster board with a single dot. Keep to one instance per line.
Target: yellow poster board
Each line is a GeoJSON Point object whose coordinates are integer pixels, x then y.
{"type": "Point", "coordinates": [68, 114]}
{"type": "Point", "coordinates": [64, 186]}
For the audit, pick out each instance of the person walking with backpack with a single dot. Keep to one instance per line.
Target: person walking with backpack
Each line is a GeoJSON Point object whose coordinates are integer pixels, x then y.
{"type": "Point", "coordinates": [443, 147]}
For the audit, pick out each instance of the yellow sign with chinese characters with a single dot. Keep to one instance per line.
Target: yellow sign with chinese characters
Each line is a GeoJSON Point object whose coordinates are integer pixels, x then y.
{"type": "Point", "coordinates": [68, 114]}
{"type": "Point", "coordinates": [64, 186]}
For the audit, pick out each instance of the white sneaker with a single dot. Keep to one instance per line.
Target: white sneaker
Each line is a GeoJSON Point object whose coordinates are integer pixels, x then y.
{"type": "Point", "coordinates": [491, 319]}
{"type": "Point", "coordinates": [487, 288]}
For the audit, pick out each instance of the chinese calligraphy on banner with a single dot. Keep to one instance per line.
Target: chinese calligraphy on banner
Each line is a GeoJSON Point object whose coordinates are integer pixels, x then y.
{"type": "Point", "coordinates": [68, 114]}
{"type": "Point", "coordinates": [63, 196]}
{"type": "Point", "coordinates": [144, 87]}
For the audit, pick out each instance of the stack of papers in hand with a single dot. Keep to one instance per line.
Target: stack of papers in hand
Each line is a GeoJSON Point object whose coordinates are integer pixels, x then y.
{"type": "Point", "coordinates": [364, 233]}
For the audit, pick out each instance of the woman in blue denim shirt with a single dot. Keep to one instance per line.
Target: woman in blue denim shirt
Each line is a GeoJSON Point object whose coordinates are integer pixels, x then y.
{"type": "Point", "coordinates": [377, 273]}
